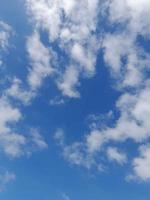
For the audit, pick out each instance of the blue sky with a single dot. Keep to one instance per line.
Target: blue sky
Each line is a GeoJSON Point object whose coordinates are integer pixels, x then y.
{"type": "Point", "coordinates": [74, 104]}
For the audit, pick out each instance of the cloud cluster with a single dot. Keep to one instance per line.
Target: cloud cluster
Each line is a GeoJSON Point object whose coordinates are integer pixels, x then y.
{"type": "Point", "coordinates": [14, 143]}
{"type": "Point", "coordinates": [40, 67]}
{"type": "Point", "coordinates": [128, 61]}
{"type": "Point", "coordinates": [71, 25]}
{"type": "Point", "coordinates": [75, 34]}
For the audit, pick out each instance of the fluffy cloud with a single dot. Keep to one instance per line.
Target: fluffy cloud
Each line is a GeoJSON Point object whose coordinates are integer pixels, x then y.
{"type": "Point", "coordinates": [17, 91]}
{"type": "Point", "coordinates": [128, 61]}
{"type": "Point", "coordinates": [141, 164]}
{"type": "Point", "coordinates": [12, 143]}
{"type": "Point", "coordinates": [72, 25]}
{"type": "Point", "coordinates": [115, 155]}
{"type": "Point", "coordinates": [69, 82]}
{"type": "Point", "coordinates": [40, 61]}
{"type": "Point", "coordinates": [122, 52]}
{"type": "Point", "coordinates": [40, 68]}
{"type": "Point", "coordinates": [75, 153]}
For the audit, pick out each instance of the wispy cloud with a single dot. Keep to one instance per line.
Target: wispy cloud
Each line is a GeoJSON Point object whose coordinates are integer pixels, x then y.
{"type": "Point", "coordinates": [6, 178]}
{"type": "Point", "coordinates": [65, 197]}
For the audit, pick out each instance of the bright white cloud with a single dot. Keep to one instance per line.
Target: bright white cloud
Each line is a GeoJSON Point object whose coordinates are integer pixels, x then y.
{"type": "Point", "coordinates": [40, 61]}
{"type": "Point", "coordinates": [12, 143]}
{"type": "Point", "coordinates": [141, 164]}
{"type": "Point", "coordinates": [75, 33]}
{"type": "Point", "coordinates": [17, 91]}
{"type": "Point", "coordinates": [40, 68]}
{"type": "Point", "coordinates": [69, 80]}
{"type": "Point", "coordinates": [127, 60]}
{"type": "Point", "coordinates": [94, 141]}
{"type": "Point", "coordinates": [72, 26]}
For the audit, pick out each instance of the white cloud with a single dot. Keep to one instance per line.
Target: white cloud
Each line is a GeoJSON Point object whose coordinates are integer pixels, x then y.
{"type": "Point", "coordinates": [17, 91]}
{"type": "Point", "coordinates": [75, 33]}
{"type": "Point", "coordinates": [115, 155]}
{"type": "Point", "coordinates": [119, 47]}
{"type": "Point", "coordinates": [65, 197]}
{"type": "Point", "coordinates": [141, 164]}
{"type": "Point", "coordinates": [37, 140]}
{"type": "Point", "coordinates": [69, 80]}
{"type": "Point", "coordinates": [40, 68]}
{"type": "Point", "coordinates": [40, 61]}
{"type": "Point", "coordinates": [133, 124]}
{"type": "Point", "coordinates": [94, 141]}
{"type": "Point", "coordinates": [75, 153]}
{"type": "Point", "coordinates": [5, 31]}
{"type": "Point", "coordinates": [12, 143]}
{"type": "Point", "coordinates": [57, 101]}
{"type": "Point", "coordinates": [5, 179]}
{"type": "Point", "coordinates": [73, 26]}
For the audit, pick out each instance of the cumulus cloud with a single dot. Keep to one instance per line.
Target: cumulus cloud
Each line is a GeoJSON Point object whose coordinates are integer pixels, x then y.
{"type": "Point", "coordinates": [12, 143]}
{"type": "Point", "coordinates": [69, 82]}
{"type": "Point", "coordinates": [72, 25]}
{"type": "Point", "coordinates": [17, 91]}
{"type": "Point", "coordinates": [39, 60]}
{"type": "Point", "coordinates": [76, 153]}
{"type": "Point", "coordinates": [128, 62]}
{"type": "Point", "coordinates": [40, 68]}
{"type": "Point", "coordinates": [141, 164]}
{"type": "Point", "coordinates": [125, 57]}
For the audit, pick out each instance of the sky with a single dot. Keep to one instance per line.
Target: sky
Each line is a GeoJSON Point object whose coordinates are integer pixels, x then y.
{"type": "Point", "coordinates": [74, 99]}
